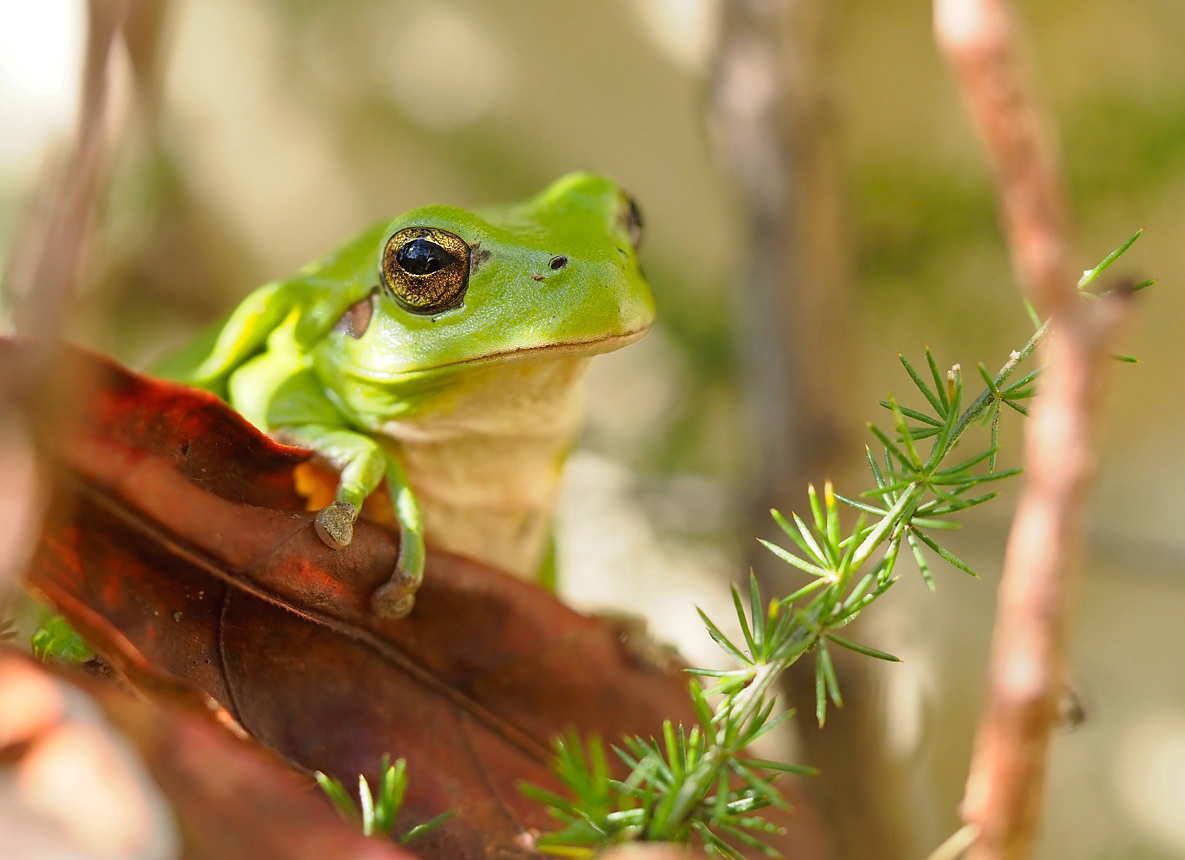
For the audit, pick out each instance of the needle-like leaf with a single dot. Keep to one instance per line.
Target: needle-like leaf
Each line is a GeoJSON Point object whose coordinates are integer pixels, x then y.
{"type": "Point", "coordinates": [829, 673]}
{"type": "Point", "coordinates": [1034, 317]}
{"type": "Point", "coordinates": [969, 462]}
{"type": "Point", "coordinates": [938, 404]}
{"type": "Point", "coordinates": [961, 565]}
{"type": "Point", "coordinates": [1090, 275]}
{"type": "Point", "coordinates": [901, 458]}
{"type": "Point", "coordinates": [791, 558]}
{"type": "Point", "coordinates": [759, 621]}
{"type": "Point", "coordinates": [938, 386]}
{"type": "Point", "coordinates": [907, 438]}
{"type": "Point", "coordinates": [744, 622]}
{"type": "Point", "coordinates": [914, 414]}
{"type": "Point", "coordinates": [863, 649]}
{"type": "Point", "coordinates": [429, 825]}
{"type": "Point", "coordinates": [995, 436]}
{"type": "Point", "coordinates": [860, 506]}
{"type": "Point", "coordinates": [722, 640]}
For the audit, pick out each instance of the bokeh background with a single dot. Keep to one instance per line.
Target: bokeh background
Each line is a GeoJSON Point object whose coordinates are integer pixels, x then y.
{"type": "Point", "coordinates": [253, 135]}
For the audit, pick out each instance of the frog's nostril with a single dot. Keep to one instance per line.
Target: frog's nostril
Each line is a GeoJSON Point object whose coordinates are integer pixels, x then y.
{"type": "Point", "coordinates": [558, 262]}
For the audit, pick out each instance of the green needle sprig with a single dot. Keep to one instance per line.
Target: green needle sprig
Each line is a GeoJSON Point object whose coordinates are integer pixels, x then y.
{"type": "Point", "coordinates": [700, 783]}
{"type": "Point", "coordinates": [55, 639]}
{"type": "Point", "coordinates": [376, 814]}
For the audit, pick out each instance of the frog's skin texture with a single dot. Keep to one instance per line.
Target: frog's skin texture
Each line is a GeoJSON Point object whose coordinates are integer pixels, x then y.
{"type": "Point", "coordinates": [440, 352]}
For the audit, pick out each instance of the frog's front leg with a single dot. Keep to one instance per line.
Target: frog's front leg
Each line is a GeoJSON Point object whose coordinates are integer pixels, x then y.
{"type": "Point", "coordinates": [364, 464]}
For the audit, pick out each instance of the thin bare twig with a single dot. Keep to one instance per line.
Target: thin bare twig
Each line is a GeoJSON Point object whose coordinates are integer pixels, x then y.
{"type": "Point", "coordinates": [1003, 794]}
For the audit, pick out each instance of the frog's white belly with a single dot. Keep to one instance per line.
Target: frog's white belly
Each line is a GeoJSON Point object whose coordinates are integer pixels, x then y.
{"type": "Point", "coordinates": [484, 462]}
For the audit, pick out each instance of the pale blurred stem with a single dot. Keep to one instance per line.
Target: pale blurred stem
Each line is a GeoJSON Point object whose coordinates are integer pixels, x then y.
{"type": "Point", "coordinates": [1004, 787]}
{"type": "Point", "coordinates": [41, 277]}
{"type": "Point", "coordinates": [771, 117]}
{"type": "Point", "coordinates": [47, 257]}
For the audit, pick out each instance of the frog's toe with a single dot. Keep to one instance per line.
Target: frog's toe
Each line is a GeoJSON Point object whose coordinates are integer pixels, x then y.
{"type": "Point", "coordinates": [393, 600]}
{"type": "Point", "coordinates": [395, 597]}
{"type": "Point", "coordinates": [335, 524]}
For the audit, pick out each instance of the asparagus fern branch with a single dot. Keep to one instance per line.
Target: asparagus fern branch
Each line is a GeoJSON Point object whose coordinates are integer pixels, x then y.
{"type": "Point", "coordinates": [699, 783]}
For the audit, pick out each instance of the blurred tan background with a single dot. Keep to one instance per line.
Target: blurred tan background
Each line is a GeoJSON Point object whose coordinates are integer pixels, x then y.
{"type": "Point", "coordinates": [262, 133]}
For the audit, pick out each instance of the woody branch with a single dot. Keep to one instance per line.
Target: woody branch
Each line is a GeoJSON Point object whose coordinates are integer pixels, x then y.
{"type": "Point", "coordinates": [1004, 787]}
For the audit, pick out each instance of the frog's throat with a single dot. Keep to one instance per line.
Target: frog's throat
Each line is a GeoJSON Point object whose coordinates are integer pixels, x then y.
{"type": "Point", "coordinates": [485, 468]}
{"type": "Point", "coordinates": [572, 348]}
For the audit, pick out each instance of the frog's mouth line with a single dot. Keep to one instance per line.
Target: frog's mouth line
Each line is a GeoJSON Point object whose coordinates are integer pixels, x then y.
{"type": "Point", "coordinates": [574, 348]}
{"type": "Point", "coordinates": [593, 346]}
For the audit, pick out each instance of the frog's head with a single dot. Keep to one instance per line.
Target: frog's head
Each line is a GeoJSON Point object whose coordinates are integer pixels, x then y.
{"type": "Point", "coordinates": [555, 274]}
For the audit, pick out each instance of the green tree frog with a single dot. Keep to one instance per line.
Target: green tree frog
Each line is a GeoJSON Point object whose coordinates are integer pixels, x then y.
{"type": "Point", "coordinates": [439, 353]}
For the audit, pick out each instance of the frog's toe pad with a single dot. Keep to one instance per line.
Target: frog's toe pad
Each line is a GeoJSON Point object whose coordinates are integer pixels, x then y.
{"type": "Point", "coordinates": [335, 524]}
{"type": "Point", "coordinates": [392, 600]}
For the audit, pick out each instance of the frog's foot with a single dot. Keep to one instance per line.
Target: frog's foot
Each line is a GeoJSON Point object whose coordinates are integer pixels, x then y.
{"type": "Point", "coordinates": [395, 598]}
{"type": "Point", "coordinates": [335, 524]}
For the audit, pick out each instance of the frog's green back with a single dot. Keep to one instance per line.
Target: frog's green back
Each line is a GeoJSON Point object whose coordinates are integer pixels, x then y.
{"type": "Point", "coordinates": [318, 294]}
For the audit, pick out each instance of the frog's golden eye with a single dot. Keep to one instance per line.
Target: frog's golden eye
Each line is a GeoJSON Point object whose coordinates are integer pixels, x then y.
{"type": "Point", "coordinates": [427, 269]}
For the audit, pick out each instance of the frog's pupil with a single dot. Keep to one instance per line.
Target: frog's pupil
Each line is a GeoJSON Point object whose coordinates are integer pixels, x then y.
{"type": "Point", "coordinates": [422, 257]}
